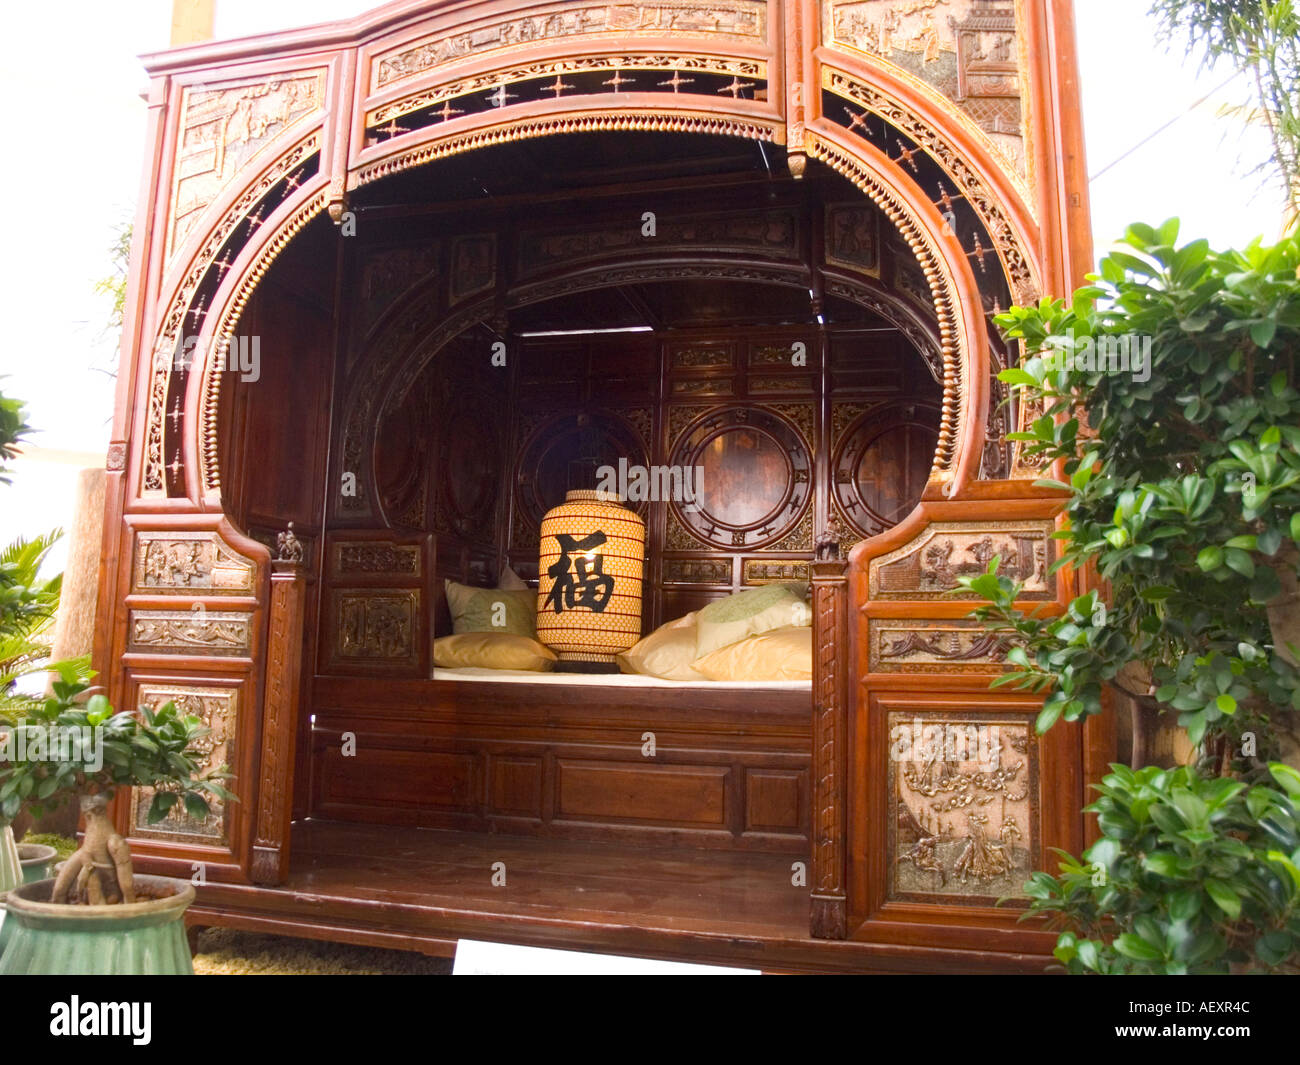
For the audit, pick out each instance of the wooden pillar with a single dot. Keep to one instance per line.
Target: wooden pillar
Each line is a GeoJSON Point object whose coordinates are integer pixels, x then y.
{"type": "Point", "coordinates": [270, 857]}
{"type": "Point", "coordinates": [829, 918]}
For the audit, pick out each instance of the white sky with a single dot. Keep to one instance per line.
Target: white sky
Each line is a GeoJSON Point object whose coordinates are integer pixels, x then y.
{"type": "Point", "coordinates": [82, 160]}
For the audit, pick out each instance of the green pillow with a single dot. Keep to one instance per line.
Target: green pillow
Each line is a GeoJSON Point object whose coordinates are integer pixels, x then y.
{"type": "Point", "coordinates": [491, 610]}
{"type": "Point", "coordinates": [748, 613]}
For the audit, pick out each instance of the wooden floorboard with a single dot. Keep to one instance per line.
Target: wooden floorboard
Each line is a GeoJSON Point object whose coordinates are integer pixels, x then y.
{"type": "Point", "coordinates": [423, 889]}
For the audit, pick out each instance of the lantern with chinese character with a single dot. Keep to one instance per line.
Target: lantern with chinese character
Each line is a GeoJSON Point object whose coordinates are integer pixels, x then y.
{"type": "Point", "coordinates": [589, 595]}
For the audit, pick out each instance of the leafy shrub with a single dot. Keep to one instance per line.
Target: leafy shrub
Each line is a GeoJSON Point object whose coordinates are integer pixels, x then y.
{"type": "Point", "coordinates": [1193, 874]}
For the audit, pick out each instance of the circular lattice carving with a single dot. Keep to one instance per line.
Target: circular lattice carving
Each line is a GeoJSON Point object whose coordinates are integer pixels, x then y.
{"type": "Point", "coordinates": [565, 453]}
{"type": "Point", "coordinates": [753, 477]}
{"type": "Point", "coordinates": [882, 464]}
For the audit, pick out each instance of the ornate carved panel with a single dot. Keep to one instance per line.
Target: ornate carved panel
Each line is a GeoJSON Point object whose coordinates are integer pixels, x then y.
{"type": "Point", "coordinates": [964, 821]}
{"type": "Point", "coordinates": [218, 709]}
{"type": "Point", "coordinates": [969, 50]}
{"type": "Point", "coordinates": [190, 632]}
{"type": "Point", "coordinates": [168, 563]}
{"type": "Point", "coordinates": [769, 571]}
{"type": "Point", "coordinates": [376, 627]}
{"type": "Point", "coordinates": [774, 232]}
{"type": "Point", "coordinates": [957, 646]}
{"type": "Point", "coordinates": [853, 237]}
{"type": "Point", "coordinates": [756, 477]}
{"type": "Point", "coordinates": [744, 20]}
{"type": "Point", "coordinates": [473, 266]}
{"type": "Point", "coordinates": [375, 558]}
{"type": "Point", "coordinates": [389, 272]}
{"type": "Point", "coordinates": [222, 127]}
{"type": "Point", "coordinates": [715, 571]}
{"type": "Point", "coordinates": [929, 566]}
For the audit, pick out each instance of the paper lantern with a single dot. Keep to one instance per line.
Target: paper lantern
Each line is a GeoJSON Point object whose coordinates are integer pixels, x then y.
{"type": "Point", "coordinates": [589, 594]}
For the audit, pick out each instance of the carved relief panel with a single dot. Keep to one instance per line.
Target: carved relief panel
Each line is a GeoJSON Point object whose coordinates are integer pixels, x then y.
{"type": "Point", "coordinates": [190, 632]}
{"type": "Point", "coordinates": [929, 566]}
{"type": "Point", "coordinates": [968, 50]}
{"type": "Point", "coordinates": [179, 563]}
{"type": "Point", "coordinates": [964, 809]}
{"type": "Point", "coordinates": [218, 709]}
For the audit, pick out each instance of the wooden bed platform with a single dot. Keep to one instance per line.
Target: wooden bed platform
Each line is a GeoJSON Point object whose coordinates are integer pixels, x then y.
{"type": "Point", "coordinates": [424, 889]}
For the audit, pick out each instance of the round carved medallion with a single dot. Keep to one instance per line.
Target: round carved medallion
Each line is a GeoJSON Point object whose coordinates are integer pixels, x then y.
{"type": "Point", "coordinates": [752, 473]}
{"type": "Point", "coordinates": [882, 465]}
{"type": "Point", "coordinates": [565, 453]}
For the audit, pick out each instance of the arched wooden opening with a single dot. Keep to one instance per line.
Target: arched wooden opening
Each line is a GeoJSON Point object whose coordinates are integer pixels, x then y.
{"type": "Point", "coordinates": [253, 141]}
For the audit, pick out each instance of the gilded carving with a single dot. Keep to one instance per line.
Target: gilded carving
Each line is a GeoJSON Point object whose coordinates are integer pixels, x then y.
{"type": "Point", "coordinates": [676, 64]}
{"type": "Point", "coordinates": [700, 356]}
{"type": "Point", "coordinates": [222, 127]}
{"type": "Point", "coordinates": [697, 571]}
{"type": "Point", "coordinates": [963, 793]}
{"type": "Point", "coordinates": [168, 563]}
{"type": "Point", "coordinates": [969, 50]}
{"type": "Point", "coordinates": [217, 708]}
{"type": "Point", "coordinates": [376, 558]}
{"type": "Point", "coordinates": [473, 266]}
{"type": "Point", "coordinates": [375, 625]}
{"type": "Point", "coordinates": [764, 571]}
{"type": "Point", "coordinates": [929, 566]}
{"type": "Point", "coordinates": [195, 632]}
{"type": "Point", "coordinates": [958, 646]}
{"type": "Point", "coordinates": [735, 19]}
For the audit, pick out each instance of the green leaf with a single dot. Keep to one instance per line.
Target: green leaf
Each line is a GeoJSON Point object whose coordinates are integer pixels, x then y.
{"type": "Point", "coordinates": [1138, 949]}
{"type": "Point", "coordinates": [1211, 558]}
{"type": "Point", "coordinates": [1287, 776]}
{"type": "Point", "coordinates": [1224, 897]}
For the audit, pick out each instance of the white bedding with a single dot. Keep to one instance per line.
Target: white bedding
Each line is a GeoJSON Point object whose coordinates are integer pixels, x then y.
{"type": "Point", "coordinates": [618, 680]}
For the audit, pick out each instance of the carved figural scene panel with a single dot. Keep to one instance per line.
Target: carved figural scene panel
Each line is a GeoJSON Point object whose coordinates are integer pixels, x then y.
{"type": "Point", "coordinates": [741, 20]}
{"type": "Point", "coordinates": [963, 806]}
{"type": "Point", "coordinates": [969, 50]}
{"type": "Point", "coordinates": [930, 566]}
{"type": "Point", "coordinates": [217, 708]}
{"type": "Point", "coordinates": [168, 563]}
{"type": "Point", "coordinates": [222, 127]}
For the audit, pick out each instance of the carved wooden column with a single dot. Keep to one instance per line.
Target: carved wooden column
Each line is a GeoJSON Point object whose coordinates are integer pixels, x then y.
{"type": "Point", "coordinates": [830, 742]}
{"type": "Point", "coordinates": [270, 858]}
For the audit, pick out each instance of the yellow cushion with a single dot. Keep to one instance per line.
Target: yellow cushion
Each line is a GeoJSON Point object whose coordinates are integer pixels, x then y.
{"type": "Point", "coordinates": [666, 653]}
{"type": "Point", "coordinates": [781, 654]}
{"type": "Point", "coordinates": [748, 613]}
{"type": "Point", "coordinates": [492, 650]}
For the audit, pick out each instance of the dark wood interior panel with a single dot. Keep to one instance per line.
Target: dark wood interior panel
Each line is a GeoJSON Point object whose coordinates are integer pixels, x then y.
{"type": "Point", "coordinates": [776, 800]}
{"type": "Point", "coordinates": [689, 796]}
{"type": "Point", "coordinates": [410, 780]}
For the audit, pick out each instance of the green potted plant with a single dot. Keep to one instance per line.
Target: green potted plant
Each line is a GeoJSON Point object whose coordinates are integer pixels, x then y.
{"type": "Point", "coordinates": [1168, 394]}
{"type": "Point", "coordinates": [97, 916]}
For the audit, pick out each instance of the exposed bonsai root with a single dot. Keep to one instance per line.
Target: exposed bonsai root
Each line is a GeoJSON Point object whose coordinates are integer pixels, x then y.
{"type": "Point", "coordinates": [100, 872]}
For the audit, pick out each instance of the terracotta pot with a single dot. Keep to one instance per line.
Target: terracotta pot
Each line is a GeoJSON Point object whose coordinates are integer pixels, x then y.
{"type": "Point", "coordinates": [133, 939]}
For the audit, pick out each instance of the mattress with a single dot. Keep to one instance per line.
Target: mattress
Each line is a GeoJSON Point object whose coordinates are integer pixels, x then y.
{"type": "Point", "coordinates": [612, 680]}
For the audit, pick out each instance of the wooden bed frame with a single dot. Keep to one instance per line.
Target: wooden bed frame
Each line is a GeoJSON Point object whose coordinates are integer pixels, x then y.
{"type": "Point", "coordinates": [770, 828]}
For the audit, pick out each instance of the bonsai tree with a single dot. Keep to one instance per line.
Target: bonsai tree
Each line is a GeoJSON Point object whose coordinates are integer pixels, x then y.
{"type": "Point", "coordinates": [47, 765]}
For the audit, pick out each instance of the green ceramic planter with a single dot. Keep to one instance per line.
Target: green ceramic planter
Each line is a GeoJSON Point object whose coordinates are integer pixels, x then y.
{"type": "Point", "coordinates": [139, 939]}
{"type": "Point", "coordinates": [36, 859]}
{"type": "Point", "coordinates": [11, 875]}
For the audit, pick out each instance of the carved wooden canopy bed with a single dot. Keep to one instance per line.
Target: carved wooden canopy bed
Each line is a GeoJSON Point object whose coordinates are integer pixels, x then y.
{"type": "Point", "coordinates": [482, 249]}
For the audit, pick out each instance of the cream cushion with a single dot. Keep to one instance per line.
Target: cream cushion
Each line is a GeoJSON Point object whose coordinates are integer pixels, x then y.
{"type": "Point", "coordinates": [748, 613]}
{"type": "Point", "coordinates": [477, 609]}
{"type": "Point", "coordinates": [779, 654]}
{"type": "Point", "coordinates": [511, 581]}
{"type": "Point", "coordinates": [492, 650]}
{"type": "Point", "coordinates": [666, 653]}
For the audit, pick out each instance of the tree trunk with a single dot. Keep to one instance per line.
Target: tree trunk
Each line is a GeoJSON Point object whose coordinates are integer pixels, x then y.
{"type": "Point", "coordinates": [1284, 622]}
